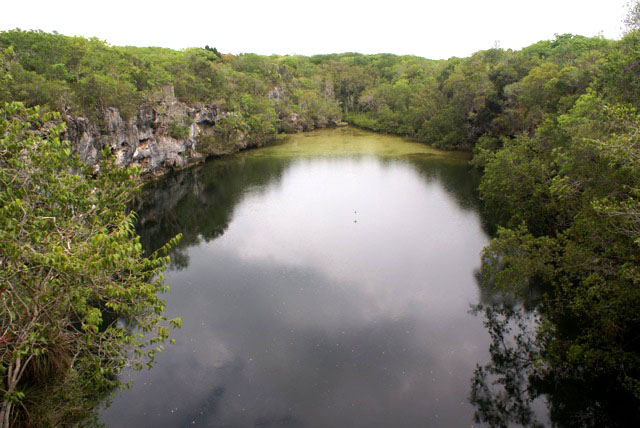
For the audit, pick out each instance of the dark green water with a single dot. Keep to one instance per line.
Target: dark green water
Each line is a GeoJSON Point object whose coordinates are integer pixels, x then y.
{"type": "Point", "coordinates": [325, 282]}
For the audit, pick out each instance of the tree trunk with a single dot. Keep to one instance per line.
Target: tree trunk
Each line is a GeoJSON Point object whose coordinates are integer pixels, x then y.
{"type": "Point", "coordinates": [14, 373]}
{"type": "Point", "coordinates": [4, 414]}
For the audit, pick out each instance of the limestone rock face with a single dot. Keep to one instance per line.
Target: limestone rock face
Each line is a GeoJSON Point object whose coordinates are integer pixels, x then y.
{"type": "Point", "coordinates": [149, 139]}
{"type": "Point", "coordinates": [166, 134]}
{"type": "Point", "coordinates": [277, 93]}
{"type": "Point", "coordinates": [294, 122]}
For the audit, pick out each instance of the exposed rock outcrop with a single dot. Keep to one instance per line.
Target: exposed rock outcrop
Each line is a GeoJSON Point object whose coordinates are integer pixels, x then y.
{"type": "Point", "coordinates": [294, 122]}
{"type": "Point", "coordinates": [164, 135]}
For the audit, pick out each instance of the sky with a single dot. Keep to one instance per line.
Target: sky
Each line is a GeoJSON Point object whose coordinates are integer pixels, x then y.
{"type": "Point", "coordinates": [431, 29]}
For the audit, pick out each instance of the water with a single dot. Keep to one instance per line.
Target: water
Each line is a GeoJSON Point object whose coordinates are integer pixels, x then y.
{"type": "Point", "coordinates": [323, 282]}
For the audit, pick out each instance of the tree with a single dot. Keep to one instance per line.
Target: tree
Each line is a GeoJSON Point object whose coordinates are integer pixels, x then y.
{"type": "Point", "coordinates": [78, 298]}
{"type": "Point", "coordinates": [214, 50]}
{"type": "Point", "coordinates": [5, 77]}
{"type": "Point", "coordinates": [579, 237]}
{"type": "Point", "coordinates": [515, 185]}
{"type": "Point", "coordinates": [632, 20]}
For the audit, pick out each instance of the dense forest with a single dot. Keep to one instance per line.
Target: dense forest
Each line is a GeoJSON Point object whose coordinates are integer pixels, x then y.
{"type": "Point", "coordinates": [554, 128]}
{"type": "Point", "coordinates": [493, 94]}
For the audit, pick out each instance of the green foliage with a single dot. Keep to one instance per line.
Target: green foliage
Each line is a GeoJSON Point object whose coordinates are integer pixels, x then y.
{"type": "Point", "coordinates": [177, 129]}
{"type": "Point", "coordinates": [71, 265]}
{"type": "Point", "coordinates": [449, 103]}
{"type": "Point", "coordinates": [229, 133]}
{"type": "Point", "coordinates": [453, 103]}
{"type": "Point", "coordinates": [259, 119]}
{"type": "Point", "coordinates": [566, 186]}
{"type": "Point", "coordinates": [98, 92]}
{"type": "Point", "coordinates": [516, 185]}
{"type": "Point", "coordinates": [579, 197]}
{"type": "Point", "coordinates": [206, 144]}
{"type": "Point", "coordinates": [213, 50]}
{"type": "Point", "coordinates": [620, 79]}
{"type": "Point", "coordinates": [77, 76]}
{"type": "Point", "coordinates": [365, 121]}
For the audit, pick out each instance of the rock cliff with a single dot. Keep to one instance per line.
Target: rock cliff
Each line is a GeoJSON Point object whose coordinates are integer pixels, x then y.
{"type": "Point", "coordinates": [164, 135]}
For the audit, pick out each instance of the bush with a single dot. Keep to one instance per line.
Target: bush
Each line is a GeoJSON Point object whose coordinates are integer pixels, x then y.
{"type": "Point", "coordinates": [179, 130]}
{"type": "Point", "coordinates": [71, 266]}
{"type": "Point", "coordinates": [206, 144]}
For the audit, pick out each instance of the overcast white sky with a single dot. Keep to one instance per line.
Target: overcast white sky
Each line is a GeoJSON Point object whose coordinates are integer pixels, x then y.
{"type": "Point", "coordinates": [432, 29]}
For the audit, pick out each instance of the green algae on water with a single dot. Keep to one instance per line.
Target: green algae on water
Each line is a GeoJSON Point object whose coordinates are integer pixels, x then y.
{"type": "Point", "coordinates": [353, 142]}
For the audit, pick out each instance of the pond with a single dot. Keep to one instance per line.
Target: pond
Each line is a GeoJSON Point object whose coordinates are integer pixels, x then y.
{"type": "Point", "coordinates": [323, 282]}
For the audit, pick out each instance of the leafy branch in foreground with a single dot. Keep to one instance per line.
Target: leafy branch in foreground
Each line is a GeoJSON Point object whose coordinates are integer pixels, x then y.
{"type": "Point", "coordinates": [79, 301]}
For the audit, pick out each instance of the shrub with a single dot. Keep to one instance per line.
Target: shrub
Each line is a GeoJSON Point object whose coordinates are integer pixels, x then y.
{"type": "Point", "coordinates": [179, 130]}
{"type": "Point", "coordinates": [71, 266]}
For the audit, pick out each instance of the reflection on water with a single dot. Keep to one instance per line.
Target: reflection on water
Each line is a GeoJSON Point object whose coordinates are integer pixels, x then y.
{"type": "Point", "coordinates": [324, 282]}
{"type": "Point", "coordinates": [515, 386]}
{"type": "Point", "coordinates": [502, 390]}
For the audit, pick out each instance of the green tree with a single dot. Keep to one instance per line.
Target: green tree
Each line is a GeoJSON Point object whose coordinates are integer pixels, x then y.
{"type": "Point", "coordinates": [515, 185]}
{"type": "Point", "coordinates": [632, 20]}
{"type": "Point", "coordinates": [579, 237]}
{"type": "Point", "coordinates": [71, 267]}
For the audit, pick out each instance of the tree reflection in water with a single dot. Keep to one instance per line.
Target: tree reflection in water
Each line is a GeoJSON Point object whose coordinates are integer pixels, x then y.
{"type": "Point", "coordinates": [512, 388]}
{"type": "Point", "coordinates": [501, 391]}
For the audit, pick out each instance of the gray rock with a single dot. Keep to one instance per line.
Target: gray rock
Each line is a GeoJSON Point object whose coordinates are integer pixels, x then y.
{"type": "Point", "coordinates": [145, 139]}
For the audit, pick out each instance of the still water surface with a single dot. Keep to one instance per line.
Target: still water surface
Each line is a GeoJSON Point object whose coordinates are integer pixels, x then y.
{"type": "Point", "coordinates": [323, 282]}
